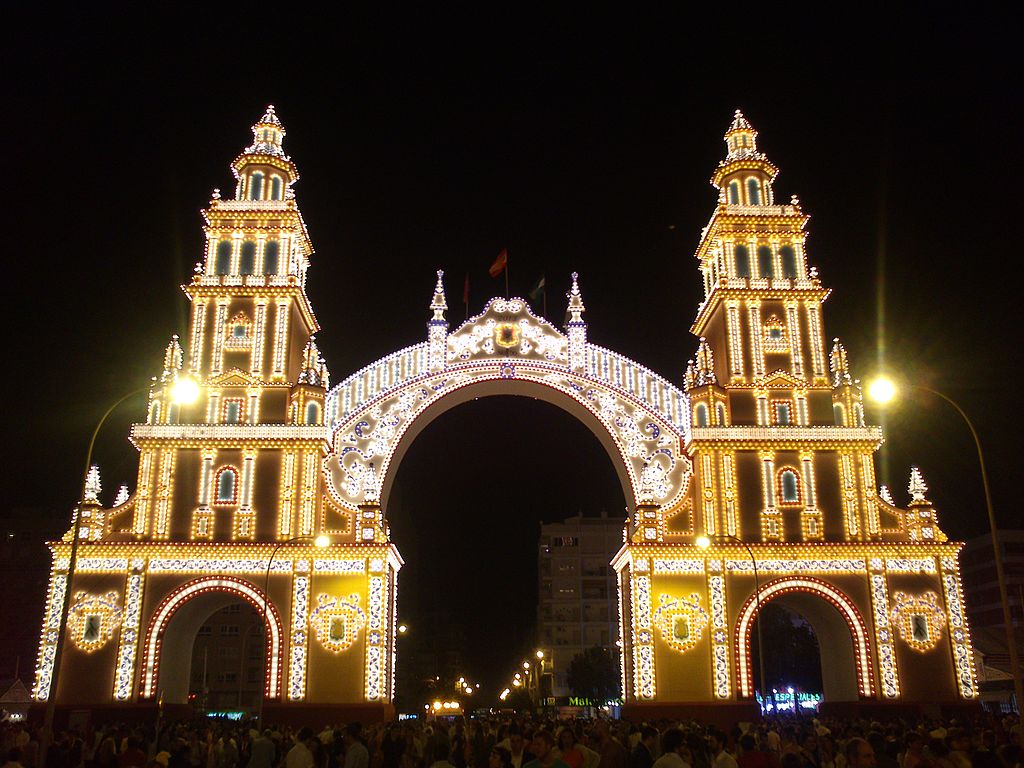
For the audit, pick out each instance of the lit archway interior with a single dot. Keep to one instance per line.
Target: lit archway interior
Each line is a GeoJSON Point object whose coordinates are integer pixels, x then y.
{"type": "Point", "coordinates": [846, 668]}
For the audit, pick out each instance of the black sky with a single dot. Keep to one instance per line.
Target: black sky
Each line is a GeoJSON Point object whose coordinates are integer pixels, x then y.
{"type": "Point", "coordinates": [428, 142]}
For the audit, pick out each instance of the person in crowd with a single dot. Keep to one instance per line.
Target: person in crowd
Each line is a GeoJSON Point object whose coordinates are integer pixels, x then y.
{"type": "Point", "coordinates": [517, 748]}
{"type": "Point", "coordinates": [499, 757]}
{"type": "Point", "coordinates": [642, 755]}
{"type": "Point", "coordinates": [720, 757]}
{"type": "Point", "coordinates": [613, 754]}
{"type": "Point", "coordinates": [568, 749]}
{"type": "Point", "coordinates": [860, 754]}
{"type": "Point", "coordinates": [356, 754]}
{"type": "Point", "coordinates": [545, 755]}
{"type": "Point", "coordinates": [300, 755]}
{"type": "Point", "coordinates": [674, 751]}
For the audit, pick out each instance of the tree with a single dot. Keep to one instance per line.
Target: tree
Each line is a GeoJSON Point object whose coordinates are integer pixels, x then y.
{"type": "Point", "coordinates": [792, 654]}
{"type": "Point", "coordinates": [594, 674]}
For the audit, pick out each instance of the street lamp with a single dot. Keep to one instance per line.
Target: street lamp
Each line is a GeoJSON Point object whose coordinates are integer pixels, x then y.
{"type": "Point", "coordinates": [704, 542]}
{"type": "Point", "coordinates": [883, 391]}
{"type": "Point", "coordinates": [184, 391]}
{"type": "Point", "coordinates": [320, 542]}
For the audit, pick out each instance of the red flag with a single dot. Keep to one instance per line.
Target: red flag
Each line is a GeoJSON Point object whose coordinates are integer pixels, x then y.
{"type": "Point", "coordinates": [499, 263]}
{"type": "Point", "coordinates": [465, 290]}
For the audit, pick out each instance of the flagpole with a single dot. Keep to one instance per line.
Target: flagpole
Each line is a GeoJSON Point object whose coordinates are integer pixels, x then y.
{"type": "Point", "coordinates": [506, 273]}
{"type": "Point", "coordinates": [544, 293]}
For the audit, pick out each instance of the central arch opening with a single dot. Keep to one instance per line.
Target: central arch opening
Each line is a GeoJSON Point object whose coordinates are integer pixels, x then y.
{"type": "Point", "coordinates": [469, 496]}
{"type": "Point", "coordinates": [802, 619]}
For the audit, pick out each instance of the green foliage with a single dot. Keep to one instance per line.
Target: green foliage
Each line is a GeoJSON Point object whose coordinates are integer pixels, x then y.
{"type": "Point", "coordinates": [594, 674]}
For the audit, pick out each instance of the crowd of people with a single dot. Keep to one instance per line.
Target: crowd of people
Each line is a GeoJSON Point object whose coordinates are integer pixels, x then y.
{"type": "Point", "coordinates": [987, 741]}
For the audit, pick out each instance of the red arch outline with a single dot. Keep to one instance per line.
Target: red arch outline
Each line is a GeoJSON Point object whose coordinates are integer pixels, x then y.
{"type": "Point", "coordinates": [150, 673]}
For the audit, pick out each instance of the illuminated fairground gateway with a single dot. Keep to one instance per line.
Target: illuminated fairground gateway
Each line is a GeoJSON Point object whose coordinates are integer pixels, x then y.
{"type": "Point", "coordinates": [766, 443]}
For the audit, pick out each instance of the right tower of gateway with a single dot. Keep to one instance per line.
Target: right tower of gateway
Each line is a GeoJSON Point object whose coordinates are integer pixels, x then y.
{"type": "Point", "coordinates": [784, 505]}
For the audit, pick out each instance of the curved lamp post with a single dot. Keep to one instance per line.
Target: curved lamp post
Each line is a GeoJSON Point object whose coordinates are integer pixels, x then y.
{"type": "Point", "coordinates": [184, 391]}
{"type": "Point", "coordinates": [320, 542]}
{"type": "Point", "coordinates": [883, 390]}
{"type": "Point", "coordinates": [704, 542]}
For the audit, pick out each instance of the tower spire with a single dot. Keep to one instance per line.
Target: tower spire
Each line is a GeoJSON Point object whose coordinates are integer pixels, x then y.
{"type": "Point", "coordinates": [917, 486]}
{"type": "Point", "coordinates": [437, 327]}
{"type": "Point", "coordinates": [263, 170]}
{"type": "Point", "coordinates": [745, 176]}
{"type": "Point", "coordinates": [93, 486]}
{"type": "Point", "coordinates": [576, 308]}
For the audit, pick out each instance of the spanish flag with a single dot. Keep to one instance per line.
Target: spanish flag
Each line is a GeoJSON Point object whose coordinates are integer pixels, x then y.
{"type": "Point", "coordinates": [500, 263]}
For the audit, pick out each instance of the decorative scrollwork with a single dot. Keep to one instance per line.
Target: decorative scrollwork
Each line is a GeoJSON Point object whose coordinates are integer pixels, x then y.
{"type": "Point", "coordinates": [92, 620]}
{"type": "Point", "coordinates": [919, 619]}
{"type": "Point", "coordinates": [337, 622]}
{"type": "Point", "coordinates": [681, 621]}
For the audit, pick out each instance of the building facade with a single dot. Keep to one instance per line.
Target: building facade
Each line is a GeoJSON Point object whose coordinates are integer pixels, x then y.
{"type": "Point", "coordinates": [765, 453]}
{"type": "Point", "coordinates": [576, 605]}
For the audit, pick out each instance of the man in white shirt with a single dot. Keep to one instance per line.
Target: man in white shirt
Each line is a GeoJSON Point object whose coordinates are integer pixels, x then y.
{"type": "Point", "coordinates": [720, 758]}
{"type": "Point", "coordinates": [300, 756]}
{"type": "Point", "coordinates": [673, 750]}
{"type": "Point", "coordinates": [356, 753]}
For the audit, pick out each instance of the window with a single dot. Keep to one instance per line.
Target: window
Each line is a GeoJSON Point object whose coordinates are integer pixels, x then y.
{"type": "Point", "coordinates": [224, 257]}
{"type": "Point", "coordinates": [753, 191]}
{"type": "Point", "coordinates": [229, 630]}
{"type": "Point", "coordinates": [270, 257]}
{"type": "Point", "coordinates": [742, 258]}
{"type": "Point", "coordinates": [788, 262]}
{"type": "Point", "coordinates": [205, 631]}
{"type": "Point", "coordinates": [247, 262]}
{"type": "Point", "coordinates": [734, 192]}
{"type": "Point", "coordinates": [226, 481]}
{"type": "Point", "coordinates": [720, 410]}
{"type": "Point", "coordinates": [765, 267]}
{"type": "Point", "coordinates": [700, 415]}
{"type": "Point", "coordinates": [275, 187]}
{"type": "Point", "coordinates": [312, 413]}
{"type": "Point", "coordinates": [789, 488]}
{"type": "Point", "coordinates": [858, 414]}
{"type": "Point", "coordinates": [783, 414]}
{"type": "Point", "coordinates": [256, 186]}
{"type": "Point", "coordinates": [839, 413]}
{"type": "Point", "coordinates": [232, 411]}
{"type": "Point", "coordinates": [233, 608]}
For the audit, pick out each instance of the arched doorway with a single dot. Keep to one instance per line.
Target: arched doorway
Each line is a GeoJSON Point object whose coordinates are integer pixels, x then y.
{"type": "Point", "coordinates": [465, 510]}
{"type": "Point", "coordinates": [847, 670]}
{"type": "Point", "coordinates": [172, 631]}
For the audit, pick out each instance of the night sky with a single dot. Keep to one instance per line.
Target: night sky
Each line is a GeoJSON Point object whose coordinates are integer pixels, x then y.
{"type": "Point", "coordinates": [427, 143]}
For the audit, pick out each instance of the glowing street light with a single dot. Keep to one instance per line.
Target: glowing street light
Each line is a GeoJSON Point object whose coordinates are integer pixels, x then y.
{"type": "Point", "coordinates": [526, 665]}
{"type": "Point", "coordinates": [883, 391]}
{"type": "Point", "coordinates": [540, 655]}
{"type": "Point", "coordinates": [184, 391]}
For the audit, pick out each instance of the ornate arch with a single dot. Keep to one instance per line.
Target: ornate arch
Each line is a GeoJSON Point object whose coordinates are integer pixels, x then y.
{"type": "Point", "coordinates": [641, 419]}
{"type": "Point", "coordinates": [836, 598]}
{"type": "Point", "coordinates": [186, 592]}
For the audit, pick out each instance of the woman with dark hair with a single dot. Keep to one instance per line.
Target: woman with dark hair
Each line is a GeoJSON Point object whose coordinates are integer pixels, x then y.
{"type": "Point", "coordinates": [568, 752]}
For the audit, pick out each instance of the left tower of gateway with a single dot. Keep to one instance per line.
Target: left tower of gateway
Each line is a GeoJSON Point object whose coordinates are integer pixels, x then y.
{"type": "Point", "coordinates": [231, 495]}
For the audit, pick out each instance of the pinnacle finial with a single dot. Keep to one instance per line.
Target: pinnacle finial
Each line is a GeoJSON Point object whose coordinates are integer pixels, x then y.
{"type": "Point", "coordinates": [886, 495]}
{"type": "Point", "coordinates": [917, 486]}
{"type": "Point", "coordinates": [740, 122]}
{"type": "Point", "coordinates": [122, 495]}
{"type": "Point", "coordinates": [576, 308]}
{"type": "Point", "coordinates": [839, 364]}
{"type": "Point", "coordinates": [93, 486]}
{"type": "Point", "coordinates": [439, 304]}
{"type": "Point", "coordinates": [267, 135]}
{"type": "Point", "coordinates": [312, 365]}
{"type": "Point", "coordinates": [173, 358]}
{"type": "Point", "coordinates": [703, 365]}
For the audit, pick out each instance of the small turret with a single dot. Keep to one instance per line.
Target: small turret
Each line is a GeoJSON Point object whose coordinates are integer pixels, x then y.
{"type": "Point", "coordinates": [93, 486]}
{"type": "Point", "coordinates": [847, 398]}
{"type": "Point", "coordinates": [745, 176]}
{"type": "Point", "coordinates": [437, 327]}
{"type": "Point", "coordinates": [576, 326]}
{"type": "Point", "coordinates": [173, 360]}
{"type": "Point", "coordinates": [917, 486]}
{"type": "Point", "coordinates": [921, 521]}
{"type": "Point", "coordinates": [263, 170]}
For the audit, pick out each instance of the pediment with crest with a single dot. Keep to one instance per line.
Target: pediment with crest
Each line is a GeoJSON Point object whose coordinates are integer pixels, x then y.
{"type": "Point", "coordinates": [507, 328]}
